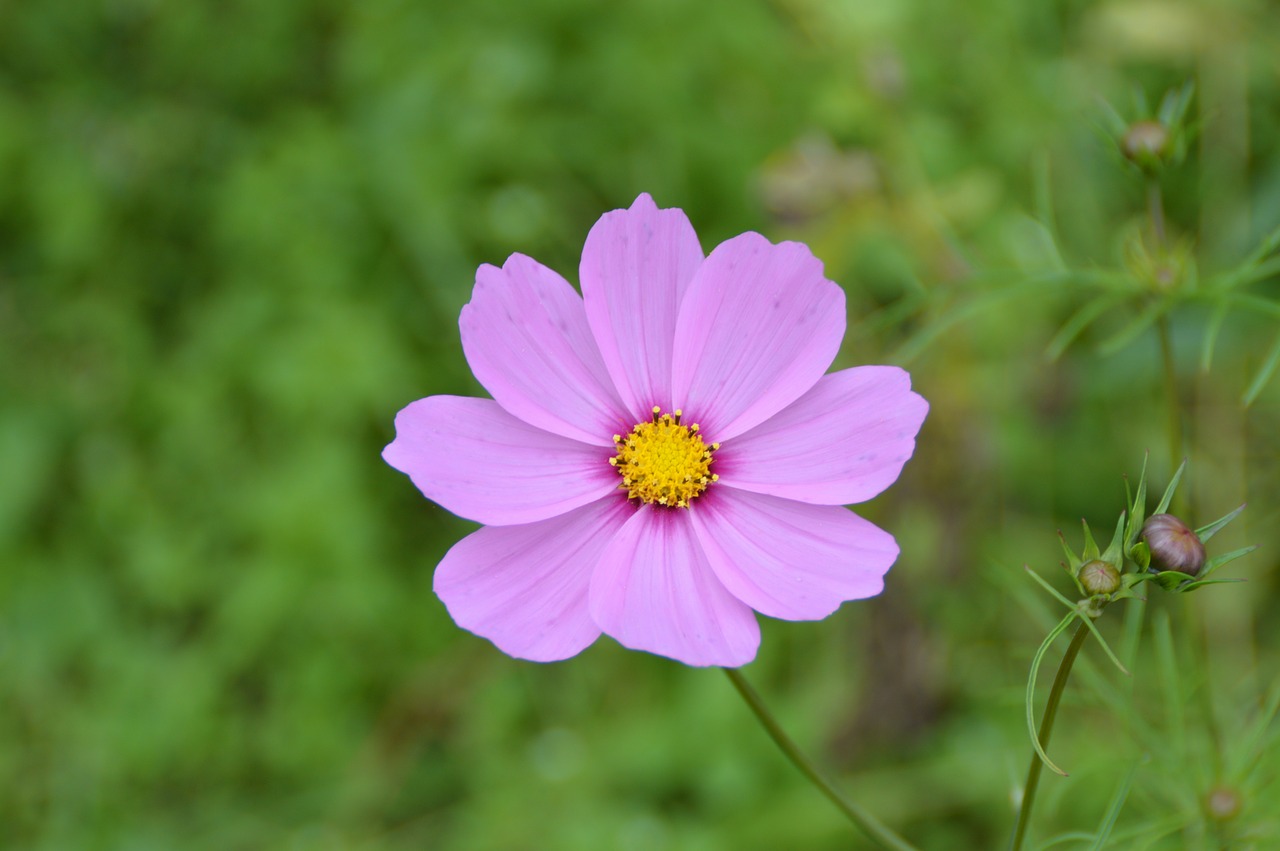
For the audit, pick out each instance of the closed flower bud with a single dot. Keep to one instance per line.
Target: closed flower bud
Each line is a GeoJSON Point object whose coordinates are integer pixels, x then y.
{"type": "Point", "coordinates": [1099, 577]}
{"type": "Point", "coordinates": [1145, 143]}
{"type": "Point", "coordinates": [1173, 545]}
{"type": "Point", "coordinates": [1224, 803]}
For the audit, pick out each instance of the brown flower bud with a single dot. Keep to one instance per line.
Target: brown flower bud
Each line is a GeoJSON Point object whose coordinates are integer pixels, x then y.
{"type": "Point", "coordinates": [1099, 577]}
{"type": "Point", "coordinates": [1173, 545]}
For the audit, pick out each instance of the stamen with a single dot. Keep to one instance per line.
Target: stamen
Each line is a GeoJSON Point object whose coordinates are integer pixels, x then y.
{"type": "Point", "coordinates": [663, 462]}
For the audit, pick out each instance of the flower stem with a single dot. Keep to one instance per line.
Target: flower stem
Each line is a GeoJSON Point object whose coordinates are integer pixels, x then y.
{"type": "Point", "coordinates": [1155, 208]}
{"type": "Point", "coordinates": [870, 825]}
{"type": "Point", "coordinates": [1171, 393]}
{"type": "Point", "coordinates": [1046, 729]}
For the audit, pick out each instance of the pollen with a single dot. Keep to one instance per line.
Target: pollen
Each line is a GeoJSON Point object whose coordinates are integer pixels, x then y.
{"type": "Point", "coordinates": [663, 461]}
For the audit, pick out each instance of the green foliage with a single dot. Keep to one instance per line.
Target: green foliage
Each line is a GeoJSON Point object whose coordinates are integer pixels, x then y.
{"type": "Point", "coordinates": [234, 240]}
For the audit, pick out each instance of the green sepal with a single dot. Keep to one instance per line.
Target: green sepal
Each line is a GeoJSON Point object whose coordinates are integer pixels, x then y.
{"type": "Point", "coordinates": [1168, 492]}
{"type": "Point", "coordinates": [1169, 580]}
{"type": "Point", "coordinates": [1204, 533]}
{"type": "Point", "coordinates": [1141, 555]}
{"type": "Point", "coordinates": [1074, 562]}
{"type": "Point", "coordinates": [1137, 509]}
{"type": "Point", "coordinates": [1218, 561]}
{"type": "Point", "coordinates": [1114, 553]}
{"type": "Point", "coordinates": [1090, 551]}
{"type": "Point", "coordinates": [1191, 586]}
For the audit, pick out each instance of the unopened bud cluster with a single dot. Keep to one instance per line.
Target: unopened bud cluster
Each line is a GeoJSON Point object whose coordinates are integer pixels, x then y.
{"type": "Point", "coordinates": [1162, 550]}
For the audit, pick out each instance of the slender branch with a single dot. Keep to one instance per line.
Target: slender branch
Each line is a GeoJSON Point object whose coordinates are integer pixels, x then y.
{"type": "Point", "coordinates": [870, 825]}
{"type": "Point", "coordinates": [1046, 729]}
{"type": "Point", "coordinates": [1171, 393]}
{"type": "Point", "coordinates": [1155, 206]}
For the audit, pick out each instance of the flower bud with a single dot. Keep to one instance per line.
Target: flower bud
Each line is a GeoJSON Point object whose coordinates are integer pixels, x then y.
{"type": "Point", "coordinates": [1145, 143]}
{"type": "Point", "coordinates": [1173, 545]}
{"type": "Point", "coordinates": [1224, 803]}
{"type": "Point", "coordinates": [1099, 577]}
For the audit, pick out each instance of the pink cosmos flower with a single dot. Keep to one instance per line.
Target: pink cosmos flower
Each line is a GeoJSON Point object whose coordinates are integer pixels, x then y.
{"type": "Point", "coordinates": [663, 456]}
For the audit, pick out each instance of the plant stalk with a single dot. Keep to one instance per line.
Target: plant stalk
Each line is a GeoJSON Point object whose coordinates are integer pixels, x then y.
{"type": "Point", "coordinates": [1171, 393]}
{"type": "Point", "coordinates": [1155, 207]}
{"type": "Point", "coordinates": [873, 827]}
{"type": "Point", "coordinates": [1046, 730]}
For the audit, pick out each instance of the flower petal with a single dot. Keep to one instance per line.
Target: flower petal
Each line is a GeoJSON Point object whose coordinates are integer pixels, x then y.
{"type": "Point", "coordinates": [481, 463]}
{"type": "Point", "coordinates": [525, 587]}
{"type": "Point", "coordinates": [653, 590]}
{"type": "Point", "coordinates": [842, 442]}
{"type": "Point", "coordinates": [636, 265]}
{"type": "Point", "coordinates": [526, 338]}
{"type": "Point", "coordinates": [759, 326]}
{"type": "Point", "coordinates": [789, 559]}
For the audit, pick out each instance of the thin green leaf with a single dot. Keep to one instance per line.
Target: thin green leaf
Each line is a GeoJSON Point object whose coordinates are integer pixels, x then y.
{"type": "Point", "coordinates": [1191, 586]}
{"type": "Point", "coordinates": [1218, 561]}
{"type": "Point", "coordinates": [1046, 586]}
{"type": "Point", "coordinates": [1204, 533]}
{"type": "Point", "coordinates": [1210, 341]}
{"type": "Point", "coordinates": [1113, 811]}
{"type": "Point", "coordinates": [1137, 506]}
{"type": "Point", "coordinates": [1088, 621]}
{"type": "Point", "coordinates": [1170, 682]}
{"type": "Point", "coordinates": [1141, 106]}
{"type": "Point", "coordinates": [1134, 613]}
{"type": "Point", "coordinates": [1052, 253]}
{"type": "Point", "coordinates": [1252, 739]}
{"type": "Point", "coordinates": [1042, 186]}
{"type": "Point", "coordinates": [1168, 492]}
{"type": "Point", "coordinates": [1080, 836]}
{"type": "Point", "coordinates": [1173, 107]}
{"type": "Point", "coordinates": [1078, 322]}
{"type": "Point", "coordinates": [1031, 691]}
{"type": "Point", "coordinates": [895, 313]}
{"type": "Point", "coordinates": [1115, 123]}
{"type": "Point", "coordinates": [1126, 335]}
{"type": "Point", "coordinates": [1264, 249]}
{"type": "Point", "coordinates": [956, 315]}
{"type": "Point", "coordinates": [1264, 375]}
{"type": "Point", "coordinates": [1254, 303]}
{"type": "Point", "coordinates": [1262, 271]}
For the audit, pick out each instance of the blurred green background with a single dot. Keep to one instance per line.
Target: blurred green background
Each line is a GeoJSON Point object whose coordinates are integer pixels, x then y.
{"type": "Point", "coordinates": [234, 241]}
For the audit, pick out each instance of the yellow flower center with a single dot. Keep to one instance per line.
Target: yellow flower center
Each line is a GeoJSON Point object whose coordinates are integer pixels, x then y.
{"type": "Point", "coordinates": [664, 462]}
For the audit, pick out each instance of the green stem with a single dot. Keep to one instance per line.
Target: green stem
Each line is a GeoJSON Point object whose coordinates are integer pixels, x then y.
{"type": "Point", "coordinates": [1155, 206]}
{"type": "Point", "coordinates": [1171, 393]}
{"type": "Point", "coordinates": [870, 825]}
{"type": "Point", "coordinates": [1046, 729]}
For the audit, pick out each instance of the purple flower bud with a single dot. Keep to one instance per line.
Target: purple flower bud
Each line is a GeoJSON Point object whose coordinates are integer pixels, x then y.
{"type": "Point", "coordinates": [1099, 577]}
{"type": "Point", "coordinates": [1173, 545]}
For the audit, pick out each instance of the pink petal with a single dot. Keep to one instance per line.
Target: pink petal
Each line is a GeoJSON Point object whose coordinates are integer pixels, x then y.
{"type": "Point", "coordinates": [654, 591]}
{"type": "Point", "coordinates": [526, 338]}
{"type": "Point", "coordinates": [483, 464]}
{"type": "Point", "coordinates": [842, 442]}
{"type": "Point", "coordinates": [636, 266]}
{"type": "Point", "coordinates": [759, 326]}
{"type": "Point", "coordinates": [525, 587]}
{"type": "Point", "coordinates": [788, 559]}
